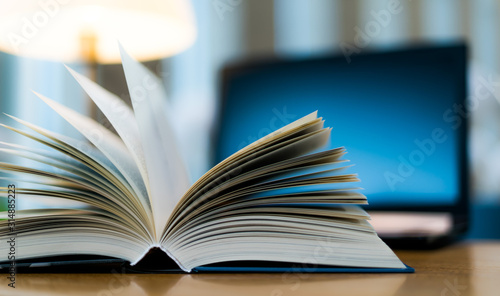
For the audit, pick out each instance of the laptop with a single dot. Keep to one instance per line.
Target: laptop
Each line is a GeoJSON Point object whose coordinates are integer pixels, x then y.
{"type": "Point", "coordinates": [400, 114]}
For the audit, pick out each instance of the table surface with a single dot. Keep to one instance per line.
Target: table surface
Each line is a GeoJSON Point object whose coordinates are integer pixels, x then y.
{"type": "Point", "coordinates": [467, 268]}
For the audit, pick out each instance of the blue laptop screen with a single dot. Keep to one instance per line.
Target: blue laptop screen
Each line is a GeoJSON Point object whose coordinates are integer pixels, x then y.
{"type": "Point", "coordinates": [397, 114]}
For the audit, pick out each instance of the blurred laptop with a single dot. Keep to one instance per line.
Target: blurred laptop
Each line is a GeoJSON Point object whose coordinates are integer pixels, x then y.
{"type": "Point", "coordinates": [399, 113]}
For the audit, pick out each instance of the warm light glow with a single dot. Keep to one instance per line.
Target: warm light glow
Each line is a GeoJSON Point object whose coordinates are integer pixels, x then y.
{"type": "Point", "coordinates": [52, 29]}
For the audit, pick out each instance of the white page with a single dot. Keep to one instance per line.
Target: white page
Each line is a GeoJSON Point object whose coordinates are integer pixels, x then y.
{"type": "Point", "coordinates": [56, 166]}
{"type": "Point", "coordinates": [121, 117]}
{"type": "Point", "coordinates": [168, 178]}
{"type": "Point", "coordinates": [58, 156]}
{"type": "Point", "coordinates": [76, 144]}
{"type": "Point", "coordinates": [107, 142]}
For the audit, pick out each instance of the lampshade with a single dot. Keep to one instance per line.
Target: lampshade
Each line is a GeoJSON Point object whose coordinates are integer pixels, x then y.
{"type": "Point", "coordinates": [58, 29]}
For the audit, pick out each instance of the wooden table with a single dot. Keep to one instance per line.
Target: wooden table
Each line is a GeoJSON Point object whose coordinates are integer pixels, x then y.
{"type": "Point", "coordinates": [469, 268]}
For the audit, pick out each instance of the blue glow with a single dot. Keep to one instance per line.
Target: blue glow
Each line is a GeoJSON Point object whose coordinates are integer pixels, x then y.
{"type": "Point", "coordinates": [380, 107]}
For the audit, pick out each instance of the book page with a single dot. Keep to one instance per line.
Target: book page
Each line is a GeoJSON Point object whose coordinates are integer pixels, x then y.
{"type": "Point", "coordinates": [94, 170]}
{"type": "Point", "coordinates": [63, 141]}
{"type": "Point", "coordinates": [107, 142]}
{"type": "Point", "coordinates": [222, 167]}
{"type": "Point", "coordinates": [168, 178]}
{"type": "Point", "coordinates": [73, 232]}
{"type": "Point", "coordinates": [299, 137]}
{"type": "Point", "coordinates": [48, 154]}
{"type": "Point", "coordinates": [288, 165]}
{"type": "Point", "coordinates": [274, 154]}
{"type": "Point", "coordinates": [285, 234]}
{"type": "Point", "coordinates": [121, 117]}
{"type": "Point", "coordinates": [76, 176]}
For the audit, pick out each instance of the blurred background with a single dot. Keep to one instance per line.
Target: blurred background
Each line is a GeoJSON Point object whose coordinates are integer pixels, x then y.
{"type": "Point", "coordinates": [231, 30]}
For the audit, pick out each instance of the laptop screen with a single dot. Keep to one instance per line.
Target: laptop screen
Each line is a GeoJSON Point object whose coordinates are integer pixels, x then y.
{"type": "Point", "coordinates": [399, 114]}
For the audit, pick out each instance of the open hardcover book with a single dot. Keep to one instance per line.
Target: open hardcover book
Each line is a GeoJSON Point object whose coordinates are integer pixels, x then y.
{"type": "Point", "coordinates": [273, 203]}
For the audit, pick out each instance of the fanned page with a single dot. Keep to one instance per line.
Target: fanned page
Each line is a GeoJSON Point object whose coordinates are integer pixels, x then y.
{"type": "Point", "coordinates": [109, 218]}
{"type": "Point", "coordinates": [278, 199]}
{"type": "Point", "coordinates": [274, 200]}
{"type": "Point", "coordinates": [168, 178]}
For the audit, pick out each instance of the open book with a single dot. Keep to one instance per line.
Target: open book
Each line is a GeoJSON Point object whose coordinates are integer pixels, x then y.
{"type": "Point", "coordinates": [276, 200]}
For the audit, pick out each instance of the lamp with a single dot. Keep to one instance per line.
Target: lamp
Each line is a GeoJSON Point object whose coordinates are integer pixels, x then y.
{"type": "Point", "coordinates": [88, 30]}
